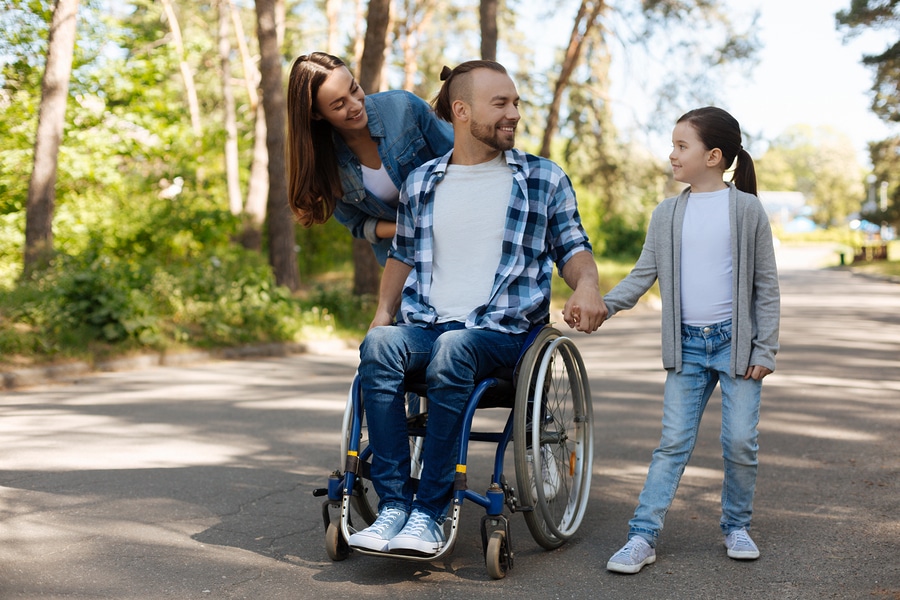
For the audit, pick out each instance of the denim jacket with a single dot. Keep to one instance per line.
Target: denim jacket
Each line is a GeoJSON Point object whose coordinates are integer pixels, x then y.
{"type": "Point", "coordinates": [408, 134]}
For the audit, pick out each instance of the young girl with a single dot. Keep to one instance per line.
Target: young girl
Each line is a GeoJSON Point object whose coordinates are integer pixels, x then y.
{"type": "Point", "coordinates": [348, 153]}
{"type": "Point", "coordinates": [711, 250]}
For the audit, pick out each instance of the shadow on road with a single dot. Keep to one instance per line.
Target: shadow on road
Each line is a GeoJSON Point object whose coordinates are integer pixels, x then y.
{"type": "Point", "coordinates": [197, 481]}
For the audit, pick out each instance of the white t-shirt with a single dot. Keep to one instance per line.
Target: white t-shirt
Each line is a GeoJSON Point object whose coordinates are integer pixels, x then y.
{"type": "Point", "coordinates": [470, 206]}
{"type": "Point", "coordinates": [706, 269]}
{"type": "Point", "coordinates": [379, 183]}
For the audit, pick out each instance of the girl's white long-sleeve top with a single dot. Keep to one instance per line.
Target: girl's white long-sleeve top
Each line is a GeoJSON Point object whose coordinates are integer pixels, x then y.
{"type": "Point", "coordinates": [756, 300]}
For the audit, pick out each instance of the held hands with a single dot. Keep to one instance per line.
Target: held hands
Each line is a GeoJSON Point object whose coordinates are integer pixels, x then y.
{"type": "Point", "coordinates": [585, 310]}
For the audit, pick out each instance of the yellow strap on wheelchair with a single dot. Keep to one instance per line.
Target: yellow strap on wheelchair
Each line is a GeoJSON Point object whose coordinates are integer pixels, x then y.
{"type": "Point", "coordinates": [352, 453]}
{"type": "Point", "coordinates": [460, 468]}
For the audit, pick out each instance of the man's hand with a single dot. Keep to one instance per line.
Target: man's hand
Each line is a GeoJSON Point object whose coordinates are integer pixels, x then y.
{"type": "Point", "coordinates": [585, 310]}
{"type": "Point", "coordinates": [392, 280]}
{"type": "Point", "coordinates": [381, 319]}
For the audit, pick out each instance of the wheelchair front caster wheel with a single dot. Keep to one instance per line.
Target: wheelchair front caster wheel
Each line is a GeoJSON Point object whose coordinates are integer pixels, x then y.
{"type": "Point", "coordinates": [496, 557]}
{"type": "Point", "coordinates": [335, 545]}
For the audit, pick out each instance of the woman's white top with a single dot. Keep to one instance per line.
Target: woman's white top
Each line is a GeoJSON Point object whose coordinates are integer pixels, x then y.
{"type": "Point", "coordinates": [379, 183]}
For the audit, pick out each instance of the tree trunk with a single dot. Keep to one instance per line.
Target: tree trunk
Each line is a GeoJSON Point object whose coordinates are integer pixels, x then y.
{"type": "Point", "coordinates": [282, 256]}
{"type": "Point", "coordinates": [366, 272]}
{"type": "Point", "coordinates": [186, 74]}
{"type": "Point", "coordinates": [332, 14]}
{"type": "Point", "coordinates": [232, 166]}
{"type": "Point", "coordinates": [251, 73]}
{"type": "Point", "coordinates": [372, 60]}
{"type": "Point", "coordinates": [487, 11]}
{"type": "Point", "coordinates": [408, 47]}
{"type": "Point", "coordinates": [258, 187]}
{"type": "Point", "coordinates": [51, 119]}
{"type": "Point", "coordinates": [586, 19]}
{"type": "Point", "coordinates": [254, 208]}
{"type": "Point", "coordinates": [359, 25]}
{"type": "Point", "coordinates": [417, 14]}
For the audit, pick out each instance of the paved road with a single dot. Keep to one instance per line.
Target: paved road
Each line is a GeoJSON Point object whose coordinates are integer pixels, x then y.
{"type": "Point", "coordinates": [195, 481]}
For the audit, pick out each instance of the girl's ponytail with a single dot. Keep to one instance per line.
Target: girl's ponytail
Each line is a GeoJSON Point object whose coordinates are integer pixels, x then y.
{"type": "Point", "coordinates": [745, 173]}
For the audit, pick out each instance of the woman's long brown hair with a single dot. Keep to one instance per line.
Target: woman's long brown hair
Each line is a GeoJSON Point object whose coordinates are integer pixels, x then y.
{"type": "Point", "coordinates": [313, 181]}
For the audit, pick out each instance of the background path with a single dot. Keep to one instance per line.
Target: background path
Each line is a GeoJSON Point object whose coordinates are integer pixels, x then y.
{"type": "Point", "coordinates": [195, 481]}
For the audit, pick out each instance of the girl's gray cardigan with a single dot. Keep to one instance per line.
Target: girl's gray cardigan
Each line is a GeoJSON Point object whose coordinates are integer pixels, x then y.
{"type": "Point", "coordinates": [756, 303]}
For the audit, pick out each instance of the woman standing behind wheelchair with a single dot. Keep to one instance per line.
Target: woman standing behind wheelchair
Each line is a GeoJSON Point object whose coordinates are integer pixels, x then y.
{"type": "Point", "coordinates": [348, 153]}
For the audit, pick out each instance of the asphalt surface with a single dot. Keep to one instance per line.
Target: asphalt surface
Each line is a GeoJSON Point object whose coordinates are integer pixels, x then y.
{"type": "Point", "coordinates": [195, 480]}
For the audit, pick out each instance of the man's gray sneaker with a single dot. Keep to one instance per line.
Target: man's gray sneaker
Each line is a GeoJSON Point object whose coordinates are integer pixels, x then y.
{"type": "Point", "coordinates": [632, 557]}
{"type": "Point", "coordinates": [421, 535]}
{"type": "Point", "coordinates": [376, 536]}
{"type": "Point", "coordinates": [740, 546]}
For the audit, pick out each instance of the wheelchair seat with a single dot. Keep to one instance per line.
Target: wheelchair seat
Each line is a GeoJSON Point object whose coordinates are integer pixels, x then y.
{"type": "Point", "coordinates": [550, 426]}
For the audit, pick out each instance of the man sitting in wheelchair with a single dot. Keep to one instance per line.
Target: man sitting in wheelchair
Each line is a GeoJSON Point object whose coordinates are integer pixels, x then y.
{"type": "Point", "coordinates": [478, 231]}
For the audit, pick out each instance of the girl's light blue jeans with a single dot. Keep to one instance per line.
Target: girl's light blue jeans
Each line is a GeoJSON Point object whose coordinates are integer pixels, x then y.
{"type": "Point", "coordinates": [706, 358]}
{"type": "Point", "coordinates": [452, 359]}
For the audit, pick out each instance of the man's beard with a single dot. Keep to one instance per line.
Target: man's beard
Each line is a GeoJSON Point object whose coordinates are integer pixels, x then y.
{"type": "Point", "coordinates": [489, 135]}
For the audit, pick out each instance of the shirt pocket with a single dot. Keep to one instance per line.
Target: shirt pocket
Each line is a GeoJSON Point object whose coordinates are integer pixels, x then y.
{"type": "Point", "coordinates": [410, 152]}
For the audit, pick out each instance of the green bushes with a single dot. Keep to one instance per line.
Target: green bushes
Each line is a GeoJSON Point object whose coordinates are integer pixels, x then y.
{"type": "Point", "coordinates": [97, 298]}
{"type": "Point", "coordinates": [160, 275]}
{"type": "Point", "coordinates": [172, 277]}
{"type": "Point", "coordinates": [623, 240]}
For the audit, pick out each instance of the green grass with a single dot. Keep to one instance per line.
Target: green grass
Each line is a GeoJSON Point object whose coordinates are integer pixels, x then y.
{"type": "Point", "coordinates": [882, 268]}
{"type": "Point", "coordinates": [94, 314]}
{"type": "Point", "coordinates": [39, 324]}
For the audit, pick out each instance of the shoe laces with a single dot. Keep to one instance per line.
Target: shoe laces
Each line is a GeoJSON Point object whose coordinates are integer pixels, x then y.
{"type": "Point", "coordinates": [634, 547]}
{"type": "Point", "coordinates": [418, 522]}
{"type": "Point", "coordinates": [740, 537]}
{"type": "Point", "coordinates": [385, 520]}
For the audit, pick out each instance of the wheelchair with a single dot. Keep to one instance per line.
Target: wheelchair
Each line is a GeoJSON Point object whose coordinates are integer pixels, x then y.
{"type": "Point", "coordinates": [550, 426]}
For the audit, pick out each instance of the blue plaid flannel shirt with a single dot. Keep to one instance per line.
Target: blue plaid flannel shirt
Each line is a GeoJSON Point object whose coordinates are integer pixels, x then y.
{"type": "Point", "coordinates": [542, 227]}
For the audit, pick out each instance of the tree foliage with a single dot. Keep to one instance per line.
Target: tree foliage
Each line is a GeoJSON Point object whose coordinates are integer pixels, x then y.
{"type": "Point", "coordinates": [707, 40]}
{"type": "Point", "coordinates": [620, 182]}
{"type": "Point", "coordinates": [885, 156]}
{"type": "Point", "coordinates": [879, 15]}
{"type": "Point", "coordinates": [129, 133]}
{"type": "Point", "coordinates": [821, 164]}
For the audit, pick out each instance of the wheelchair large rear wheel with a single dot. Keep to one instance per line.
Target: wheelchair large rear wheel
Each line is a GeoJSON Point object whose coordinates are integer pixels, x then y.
{"type": "Point", "coordinates": [553, 438]}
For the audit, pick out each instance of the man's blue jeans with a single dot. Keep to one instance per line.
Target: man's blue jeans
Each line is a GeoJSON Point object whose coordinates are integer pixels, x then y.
{"type": "Point", "coordinates": [452, 358]}
{"type": "Point", "coordinates": [706, 360]}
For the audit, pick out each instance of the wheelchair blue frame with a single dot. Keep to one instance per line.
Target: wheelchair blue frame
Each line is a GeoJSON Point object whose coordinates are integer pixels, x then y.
{"type": "Point", "coordinates": [500, 392]}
